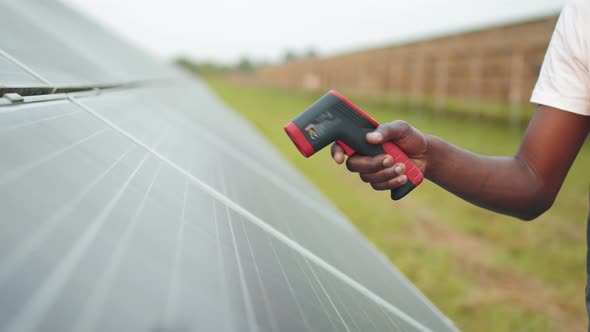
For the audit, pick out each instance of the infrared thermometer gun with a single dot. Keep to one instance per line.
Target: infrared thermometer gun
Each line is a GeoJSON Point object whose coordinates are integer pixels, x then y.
{"type": "Point", "coordinates": [334, 118]}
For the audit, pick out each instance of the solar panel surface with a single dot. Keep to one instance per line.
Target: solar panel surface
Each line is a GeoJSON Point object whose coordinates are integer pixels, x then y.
{"type": "Point", "coordinates": [155, 207]}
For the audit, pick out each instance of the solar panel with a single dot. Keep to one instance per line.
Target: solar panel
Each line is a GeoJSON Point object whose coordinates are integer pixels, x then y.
{"type": "Point", "coordinates": [153, 206]}
{"type": "Point", "coordinates": [41, 33]}
{"type": "Point", "coordinates": [13, 75]}
{"type": "Point", "coordinates": [111, 54]}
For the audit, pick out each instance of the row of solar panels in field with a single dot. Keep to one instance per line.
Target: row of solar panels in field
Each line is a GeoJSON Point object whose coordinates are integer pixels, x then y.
{"type": "Point", "coordinates": [140, 202]}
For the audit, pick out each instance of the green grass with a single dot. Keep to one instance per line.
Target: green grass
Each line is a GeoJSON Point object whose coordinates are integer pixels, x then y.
{"type": "Point", "coordinates": [487, 272]}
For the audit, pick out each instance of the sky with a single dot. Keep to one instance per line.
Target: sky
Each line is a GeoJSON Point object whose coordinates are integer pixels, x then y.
{"type": "Point", "coordinates": [224, 31]}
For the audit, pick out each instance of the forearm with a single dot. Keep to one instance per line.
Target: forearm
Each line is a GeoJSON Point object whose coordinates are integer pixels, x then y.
{"type": "Point", "coordinates": [523, 186]}
{"type": "Point", "coordinates": [508, 185]}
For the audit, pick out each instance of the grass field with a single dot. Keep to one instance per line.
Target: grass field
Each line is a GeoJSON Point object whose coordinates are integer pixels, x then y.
{"type": "Point", "coordinates": [485, 271]}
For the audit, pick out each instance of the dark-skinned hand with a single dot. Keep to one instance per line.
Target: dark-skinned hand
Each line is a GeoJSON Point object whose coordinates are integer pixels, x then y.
{"type": "Point", "coordinates": [382, 172]}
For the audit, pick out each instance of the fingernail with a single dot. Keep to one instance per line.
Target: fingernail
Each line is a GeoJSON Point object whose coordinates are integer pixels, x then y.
{"type": "Point", "coordinates": [387, 162]}
{"type": "Point", "coordinates": [398, 169]}
{"type": "Point", "coordinates": [375, 135]}
{"type": "Point", "coordinates": [401, 179]}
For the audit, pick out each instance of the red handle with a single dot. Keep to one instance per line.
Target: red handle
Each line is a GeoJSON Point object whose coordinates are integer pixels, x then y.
{"type": "Point", "coordinates": [414, 175]}
{"type": "Point", "coordinates": [412, 172]}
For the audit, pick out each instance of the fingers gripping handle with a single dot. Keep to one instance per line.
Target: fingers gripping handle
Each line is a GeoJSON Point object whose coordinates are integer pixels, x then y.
{"type": "Point", "coordinates": [413, 174]}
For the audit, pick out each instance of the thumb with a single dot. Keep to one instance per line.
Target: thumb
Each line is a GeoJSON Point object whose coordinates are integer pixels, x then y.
{"type": "Point", "coordinates": [392, 131]}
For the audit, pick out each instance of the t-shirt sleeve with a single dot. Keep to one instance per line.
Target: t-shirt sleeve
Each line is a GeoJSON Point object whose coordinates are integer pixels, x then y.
{"type": "Point", "coordinates": [564, 81]}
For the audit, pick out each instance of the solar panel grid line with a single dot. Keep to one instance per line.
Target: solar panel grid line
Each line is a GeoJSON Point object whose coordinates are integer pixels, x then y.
{"type": "Point", "coordinates": [290, 234]}
{"type": "Point", "coordinates": [261, 169]}
{"type": "Point", "coordinates": [239, 288]}
{"type": "Point", "coordinates": [198, 289]}
{"type": "Point", "coordinates": [389, 319]}
{"type": "Point", "coordinates": [35, 122]}
{"type": "Point", "coordinates": [290, 287]}
{"type": "Point", "coordinates": [199, 283]}
{"type": "Point", "coordinates": [308, 278]}
{"type": "Point", "coordinates": [375, 328]}
{"type": "Point", "coordinates": [29, 317]}
{"type": "Point", "coordinates": [315, 292]}
{"type": "Point", "coordinates": [258, 168]}
{"type": "Point", "coordinates": [42, 233]}
{"type": "Point", "coordinates": [13, 108]}
{"type": "Point", "coordinates": [13, 259]}
{"type": "Point", "coordinates": [349, 257]}
{"type": "Point", "coordinates": [392, 323]}
{"type": "Point", "coordinates": [19, 110]}
{"type": "Point", "coordinates": [173, 288]}
{"type": "Point", "coordinates": [285, 299]}
{"type": "Point", "coordinates": [253, 325]}
{"type": "Point", "coordinates": [290, 293]}
{"type": "Point", "coordinates": [310, 282]}
{"type": "Point", "coordinates": [95, 304]}
{"type": "Point", "coordinates": [295, 178]}
{"type": "Point", "coordinates": [411, 287]}
{"type": "Point", "coordinates": [229, 320]}
{"type": "Point", "coordinates": [246, 198]}
{"type": "Point", "coordinates": [377, 313]}
{"type": "Point", "coordinates": [25, 68]}
{"type": "Point", "coordinates": [344, 312]}
{"type": "Point", "coordinates": [12, 75]}
{"type": "Point", "coordinates": [327, 295]}
{"type": "Point", "coordinates": [266, 301]}
{"type": "Point", "coordinates": [204, 119]}
{"type": "Point", "coordinates": [353, 313]}
{"type": "Point", "coordinates": [15, 173]}
{"type": "Point", "coordinates": [262, 224]}
{"type": "Point", "coordinates": [391, 269]}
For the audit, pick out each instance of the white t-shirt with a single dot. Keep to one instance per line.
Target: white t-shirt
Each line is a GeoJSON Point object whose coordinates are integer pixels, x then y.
{"type": "Point", "coordinates": [564, 81]}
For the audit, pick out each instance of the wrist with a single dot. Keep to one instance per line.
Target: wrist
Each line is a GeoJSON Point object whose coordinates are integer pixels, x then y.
{"type": "Point", "coordinates": [432, 156]}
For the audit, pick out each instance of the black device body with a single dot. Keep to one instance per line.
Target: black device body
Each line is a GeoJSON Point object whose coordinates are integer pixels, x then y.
{"type": "Point", "coordinates": [334, 118]}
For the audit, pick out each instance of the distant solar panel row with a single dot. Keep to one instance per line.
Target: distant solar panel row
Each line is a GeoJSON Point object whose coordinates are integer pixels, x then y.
{"type": "Point", "coordinates": [155, 207]}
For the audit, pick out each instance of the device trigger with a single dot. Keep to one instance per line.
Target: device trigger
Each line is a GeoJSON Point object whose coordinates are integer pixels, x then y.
{"type": "Point", "coordinates": [347, 149]}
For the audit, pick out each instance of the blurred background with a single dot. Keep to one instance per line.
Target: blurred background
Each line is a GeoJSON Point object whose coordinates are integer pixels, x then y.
{"type": "Point", "coordinates": [462, 70]}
